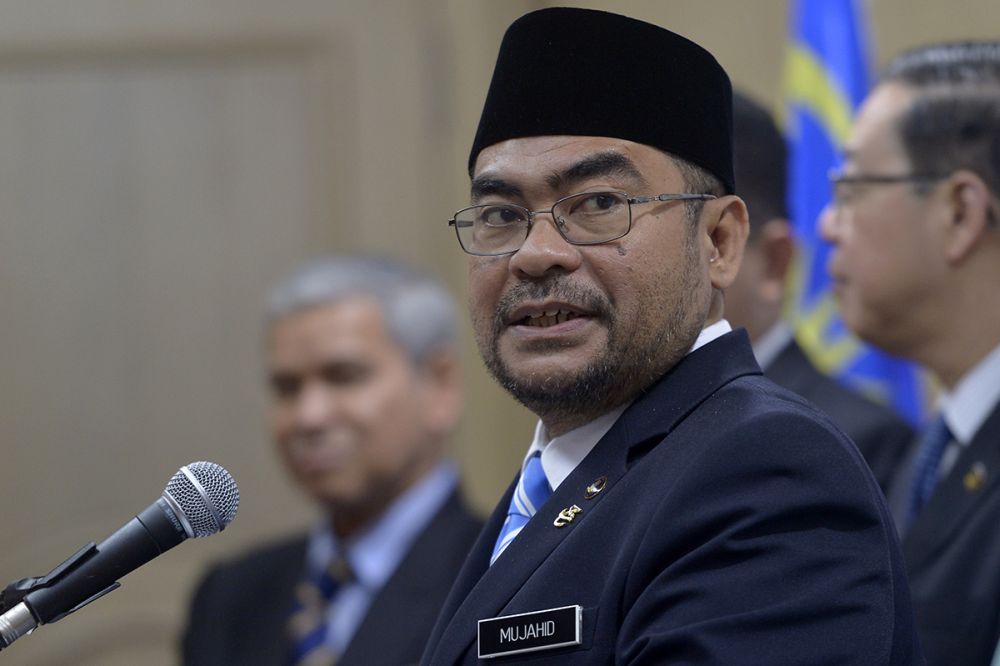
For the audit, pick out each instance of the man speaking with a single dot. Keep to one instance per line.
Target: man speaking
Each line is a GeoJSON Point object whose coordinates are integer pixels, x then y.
{"type": "Point", "coordinates": [675, 507]}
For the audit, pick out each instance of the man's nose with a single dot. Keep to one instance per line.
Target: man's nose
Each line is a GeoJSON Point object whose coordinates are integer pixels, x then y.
{"type": "Point", "coordinates": [544, 249]}
{"type": "Point", "coordinates": [827, 225]}
{"type": "Point", "coordinates": [313, 406]}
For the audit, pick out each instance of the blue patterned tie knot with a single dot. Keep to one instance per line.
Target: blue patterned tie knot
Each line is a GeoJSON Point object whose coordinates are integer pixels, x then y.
{"type": "Point", "coordinates": [531, 492]}
{"type": "Point", "coordinates": [925, 470]}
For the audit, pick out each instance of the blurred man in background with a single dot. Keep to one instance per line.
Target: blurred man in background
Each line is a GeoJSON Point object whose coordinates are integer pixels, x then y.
{"type": "Point", "coordinates": [364, 375]}
{"type": "Point", "coordinates": [756, 297]}
{"type": "Point", "coordinates": [915, 224]}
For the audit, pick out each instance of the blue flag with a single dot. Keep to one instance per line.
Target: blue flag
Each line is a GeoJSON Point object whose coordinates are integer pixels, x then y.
{"type": "Point", "coordinates": [826, 79]}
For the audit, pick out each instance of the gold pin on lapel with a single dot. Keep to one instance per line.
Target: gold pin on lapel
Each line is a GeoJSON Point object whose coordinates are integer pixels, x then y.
{"type": "Point", "coordinates": [566, 516]}
{"type": "Point", "coordinates": [596, 487]}
{"type": "Point", "coordinates": [975, 477]}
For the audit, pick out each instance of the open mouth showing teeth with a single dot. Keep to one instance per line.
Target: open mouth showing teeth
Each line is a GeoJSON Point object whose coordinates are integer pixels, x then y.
{"type": "Point", "coordinates": [548, 318]}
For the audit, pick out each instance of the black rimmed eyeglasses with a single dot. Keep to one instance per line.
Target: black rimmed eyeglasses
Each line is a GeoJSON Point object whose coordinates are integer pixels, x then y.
{"type": "Point", "coordinates": [843, 184]}
{"type": "Point", "coordinates": [587, 218]}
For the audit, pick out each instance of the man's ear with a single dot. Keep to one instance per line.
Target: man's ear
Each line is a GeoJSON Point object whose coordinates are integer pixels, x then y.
{"type": "Point", "coordinates": [727, 227]}
{"type": "Point", "coordinates": [774, 238]}
{"type": "Point", "coordinates": [969, 207]}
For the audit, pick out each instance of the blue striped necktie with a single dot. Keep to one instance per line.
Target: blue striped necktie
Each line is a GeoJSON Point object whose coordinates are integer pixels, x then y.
{"type": "Point", "coordinates": [531, 492]}
{"type": "Point", "coordinates": [925, 470]}
{"type": "Point", "coordinates": [308, 623]}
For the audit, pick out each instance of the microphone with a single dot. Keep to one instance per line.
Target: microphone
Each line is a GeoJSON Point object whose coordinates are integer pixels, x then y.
{"type": "Point", "coordinates": [199, 500]}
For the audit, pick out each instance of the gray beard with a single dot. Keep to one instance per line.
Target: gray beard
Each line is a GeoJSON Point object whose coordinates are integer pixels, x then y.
{"type": "Point", "coordinates": [629, 365]}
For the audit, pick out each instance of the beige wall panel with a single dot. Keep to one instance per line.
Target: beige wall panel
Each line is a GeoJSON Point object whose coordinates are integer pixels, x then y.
{"type": "Point", "coordinates": [147, 202]}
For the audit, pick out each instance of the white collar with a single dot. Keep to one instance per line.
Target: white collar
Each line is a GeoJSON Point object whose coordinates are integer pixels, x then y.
{"type": "Point", "coordinates": [376, 551]}
{"type": "Point", "coordinates": [767, 347]}
{"type": "Point", "coordinates": [561, 455]}
{"type": "Point", "coordinates": [974, 398]}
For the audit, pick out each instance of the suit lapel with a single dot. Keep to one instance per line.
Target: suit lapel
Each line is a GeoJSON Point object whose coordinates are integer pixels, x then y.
{"type": "Point", "coordinates": [448, 625]}
{"type": "Point", "coordinates": [975, 475]}
{"type": "Point", "coordinates": [415, 586]}
{"type": "Point", "coordinates": [899, 491]}
{"type": "Point", "coordinates": [270, 616]}
{"type": "Point", "coordinates": [483, 591]}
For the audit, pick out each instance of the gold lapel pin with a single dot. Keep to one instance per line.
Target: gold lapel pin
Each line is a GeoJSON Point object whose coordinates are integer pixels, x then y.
{"type": "Point", "coordinates": [975, 477]}
{"type": "Point", "coordinates": [596, 487]}
{"type": "Point", "coordinates": [566, 516]}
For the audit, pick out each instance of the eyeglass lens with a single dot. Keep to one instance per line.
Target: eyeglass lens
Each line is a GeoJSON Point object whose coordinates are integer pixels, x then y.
{"type": "Point", "coordinates": [585, 218]}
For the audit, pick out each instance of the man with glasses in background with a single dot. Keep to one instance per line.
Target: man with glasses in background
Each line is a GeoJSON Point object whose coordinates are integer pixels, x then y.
{"type": "Point", "coordinates": [916, 268]}
{"type": "Point", "coordinates": [755, 298]}
{"type": "Point", "coordinates": [675, 506]}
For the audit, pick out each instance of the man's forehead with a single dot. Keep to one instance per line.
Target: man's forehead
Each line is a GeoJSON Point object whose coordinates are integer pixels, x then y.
{"type": "Point", "coordinates": [875, 133]}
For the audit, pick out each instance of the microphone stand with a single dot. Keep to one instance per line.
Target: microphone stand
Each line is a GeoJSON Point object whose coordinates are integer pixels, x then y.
{"type": "Point", "coordinates": [16, 617]}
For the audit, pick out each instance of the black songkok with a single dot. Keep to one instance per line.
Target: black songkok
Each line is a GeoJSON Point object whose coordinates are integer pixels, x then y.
{"type": "Point", "coordinates": [584, 72]}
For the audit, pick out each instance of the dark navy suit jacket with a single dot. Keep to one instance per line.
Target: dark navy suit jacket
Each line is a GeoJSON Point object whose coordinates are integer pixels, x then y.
{"type": "Point", "coordinates": [738, 526]}
{"type": "Point", "coordinates": [240, 610]}
{"type": "Point", "coordinates": [952, 554]}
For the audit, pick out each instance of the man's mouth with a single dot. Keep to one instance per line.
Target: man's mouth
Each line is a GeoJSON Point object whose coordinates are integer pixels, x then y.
{"type": "Point", "coordinates": [833, 272]}
{"type": "Point", "coordinates": [548, 318]}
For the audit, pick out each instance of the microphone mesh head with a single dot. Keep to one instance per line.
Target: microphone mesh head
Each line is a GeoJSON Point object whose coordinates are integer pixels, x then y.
{"type": "Point", "coordinates": [210, 508]}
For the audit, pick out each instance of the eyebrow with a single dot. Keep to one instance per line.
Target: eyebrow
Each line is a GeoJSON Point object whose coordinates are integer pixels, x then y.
{"type": "Point", "coordinates": [486, 185]}
{"type": "Point", "coordinates": [606, 163]}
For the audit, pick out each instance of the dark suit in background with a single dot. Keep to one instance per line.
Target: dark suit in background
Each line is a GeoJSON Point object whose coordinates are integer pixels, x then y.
{"type": "Point", "coordinates": [882, 437]}
{"type": "Point", "coordinates": [755, 300]}
{"type": "Point", "coordinates": [952, 553]}
{"type": "Point", "coordinates": [240, 609]}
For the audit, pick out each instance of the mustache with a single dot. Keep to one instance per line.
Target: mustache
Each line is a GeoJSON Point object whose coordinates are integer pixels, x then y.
{"type": "Point", "coordinates": [555, 288]}
{"type": "Point", "coordinates": [304, 442]}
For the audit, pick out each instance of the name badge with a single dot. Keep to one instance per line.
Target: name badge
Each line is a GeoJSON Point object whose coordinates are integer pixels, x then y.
{"type": "Point", "coordinates": [530, 632]}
